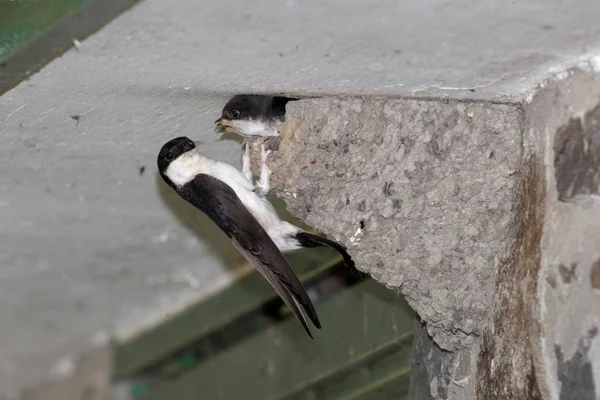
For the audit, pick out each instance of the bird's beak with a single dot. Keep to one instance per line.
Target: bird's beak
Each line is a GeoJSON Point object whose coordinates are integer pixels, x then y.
{"type": "Point", "coordinates": [222, 125]}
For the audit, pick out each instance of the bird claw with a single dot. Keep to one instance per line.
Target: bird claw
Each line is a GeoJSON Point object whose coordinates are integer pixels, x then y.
{"type": "Point", "coordinates": [264, 153]}
{"type": "Point", "coordinates": [246, 161]}
{"type": "Point", "coordinates": [264, 184]}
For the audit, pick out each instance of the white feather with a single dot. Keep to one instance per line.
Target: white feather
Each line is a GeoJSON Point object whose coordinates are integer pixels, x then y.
{"type": "Point", "coordinates": [183, 169]}
{"type": "Point", "coordinates": [251, 127]}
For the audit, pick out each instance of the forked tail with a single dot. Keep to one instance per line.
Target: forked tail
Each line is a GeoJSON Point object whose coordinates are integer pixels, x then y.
{"type": "Point", "coordinates": [309, 240]}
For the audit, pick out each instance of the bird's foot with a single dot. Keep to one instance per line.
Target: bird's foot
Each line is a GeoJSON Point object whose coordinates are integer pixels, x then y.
{"type": "Point", "coordinates": [264, 184]}
{"type": "Point", "coordinates": [246, 161]}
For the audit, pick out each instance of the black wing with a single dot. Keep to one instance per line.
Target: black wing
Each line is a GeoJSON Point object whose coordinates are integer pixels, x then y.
{"type": "Point", "coordinates": [309, 240]}
{"type": "Point", "coordinates": [217, 200]}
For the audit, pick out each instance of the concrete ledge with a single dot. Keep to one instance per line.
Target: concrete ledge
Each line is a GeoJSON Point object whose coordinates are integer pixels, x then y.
{"type": "Point", "coordinates": [422, 191]}
{"type": "Point", "coordinates": [456, 205]}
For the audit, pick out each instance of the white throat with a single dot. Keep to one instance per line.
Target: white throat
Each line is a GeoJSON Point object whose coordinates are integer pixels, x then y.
{"type": "Point", "coordinates": [255, 127]}
{"type": "Point", "coordinates": [185, 168]}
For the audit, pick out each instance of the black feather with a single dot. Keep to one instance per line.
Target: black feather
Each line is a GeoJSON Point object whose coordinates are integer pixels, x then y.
{"type": "Point", "coordinates": [220, 203]}
{"type": "Point", "coordinates": [256, 106]}
{"type": "Point", "coordinates": [309, 240]}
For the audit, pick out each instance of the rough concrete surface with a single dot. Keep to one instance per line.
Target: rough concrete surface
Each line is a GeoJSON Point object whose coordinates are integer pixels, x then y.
{"type": "Point", "coordinates": [506, 368]}
{"type": "Point", "coordinates": [447, 203]}
{"type": "Point", "coordinates": [421, 191]}
{"type": "Point", "coordinates": [92, 241]}
{"type": "Point", "coordinates": [439, 374]}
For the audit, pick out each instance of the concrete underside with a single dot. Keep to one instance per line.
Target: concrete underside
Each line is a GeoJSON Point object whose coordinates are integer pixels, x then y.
{"type": "Point", "coordinates": [431, 154]}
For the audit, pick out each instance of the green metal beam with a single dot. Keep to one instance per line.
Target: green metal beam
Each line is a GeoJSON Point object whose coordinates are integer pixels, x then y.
{"type": "Point", "coordinates": [364, 327]}
{"type": "Point", "coordinates": [246, 295]}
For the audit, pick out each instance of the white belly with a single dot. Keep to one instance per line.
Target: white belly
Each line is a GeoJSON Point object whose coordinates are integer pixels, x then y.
{"type": "Point", "coordinates": [264, 212]}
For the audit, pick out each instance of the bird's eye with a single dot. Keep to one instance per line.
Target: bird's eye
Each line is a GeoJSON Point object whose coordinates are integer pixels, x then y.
{"type": "Point", "coordinates": [235, 113]}
{"type": "Point", "coordinates": [169, 156]}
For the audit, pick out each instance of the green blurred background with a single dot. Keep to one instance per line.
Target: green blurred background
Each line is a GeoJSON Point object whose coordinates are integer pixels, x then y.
{"type": "Point", "coordinates": [22, 20]}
